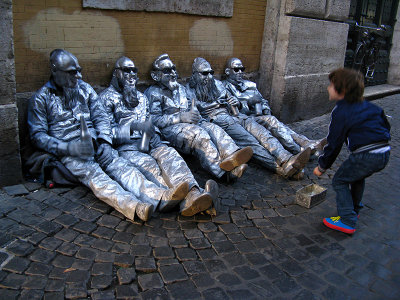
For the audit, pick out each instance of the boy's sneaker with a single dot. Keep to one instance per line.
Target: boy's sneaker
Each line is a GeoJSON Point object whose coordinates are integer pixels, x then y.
{"type": "Point", "coordinates": [335, 223]}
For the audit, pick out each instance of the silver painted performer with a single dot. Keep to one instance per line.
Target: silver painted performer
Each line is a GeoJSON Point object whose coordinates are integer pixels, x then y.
{"type": "Point", "coordinates": [128, 111]}
{"type": "Point", "coordinates": [184, 128]}
{"type": "Point", "coordinates": [253, 104]}
{"type": "Point", "coordinates": [55, 115]}
{"type": "Point", "coordinates": [216, 105]}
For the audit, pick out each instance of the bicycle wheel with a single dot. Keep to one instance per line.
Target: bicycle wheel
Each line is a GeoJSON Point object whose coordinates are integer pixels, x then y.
{"type": "Point", "coordinates": [358, 58]}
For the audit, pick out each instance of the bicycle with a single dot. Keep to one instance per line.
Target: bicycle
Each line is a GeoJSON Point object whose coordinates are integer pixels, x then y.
{"type": "Point", "coordinates": [370, 41]}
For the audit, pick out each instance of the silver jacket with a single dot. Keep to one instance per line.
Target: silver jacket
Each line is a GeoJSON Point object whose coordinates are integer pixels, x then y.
{"type": "Point", "coordinates": [121, 117]}
{"type": "Point", "coordinates": [245, 91]}
{"type": "Point", "coordinates": [165, 105]}
{"type": "Point", "coordinates": [50, 121]}
{"type": "Point", "coordinates": [222, 105]}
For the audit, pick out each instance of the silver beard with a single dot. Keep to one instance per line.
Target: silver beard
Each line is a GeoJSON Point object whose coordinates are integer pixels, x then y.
{"type": "Point", "coordinates": [173, 85]}
{"type": "Point", "coordinates": [71, 96]}
{"type": "Point", "coordinates": [205, 92]}
{"type": "Point", "coordinates": [130, 96]}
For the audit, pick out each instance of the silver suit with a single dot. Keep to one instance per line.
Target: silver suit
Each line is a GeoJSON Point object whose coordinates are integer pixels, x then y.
{"type": "Point", "coordinates": [207, 141]}
{"type": "Point", "coordinates": [244, 130]}
{"type": "Point", "coordinates": [51, 123]}
{"type": "Point", "coordinates": [162, 165]}
{"type": "Point", "coordinates": [246, 92]}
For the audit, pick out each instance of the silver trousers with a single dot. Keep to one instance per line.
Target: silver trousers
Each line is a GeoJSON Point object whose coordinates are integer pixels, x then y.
{"type": "Point", "coordinates": [290, 139]}
{"type": "Point", "coordinates": [162, 166]}
{"type": "Point", "coordinates": [267, 140]}
{"type": "Point", "coordinates": [208, 142]}
{"type": "Point", "coordinates": [122, 189]}
{"type": "Point", "coordinates": [243, 138]}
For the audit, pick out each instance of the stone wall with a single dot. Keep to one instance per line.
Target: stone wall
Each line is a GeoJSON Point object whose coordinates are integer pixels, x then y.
{"type": "Point", "coordinates": [10, 162]}
{"type": "Point", "coordinates": [306, 40]}
{"type": "Point", "coordinates": [99, 36]}
{"type": "Point", "coordinates": [220, 8]}
{"type": "Point", "coordinates": [394, 67]}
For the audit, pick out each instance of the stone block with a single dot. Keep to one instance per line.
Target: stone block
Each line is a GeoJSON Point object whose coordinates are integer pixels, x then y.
{"type": "Point", "coordinates": [16, 265]}
{"type": "Point", "coordinates": [301, 97]}
{"type": "Point", "coordinates": [222, 8]}
{"type": "Point", "coordinates": [337, 10]}
{"type": "Point", "coordinates": [126, 275]}
{"type": "Point", "coordinates": [126, 292]}
{"type": "Point", "coordinates": [150, 281]}
{"type": "Point", "coordinates": [12, 281]}
{"type": "Point", "coordinates": [39, 269]}
{"type": "Point", "coordinates": [101, 282]}
{"type": "Point", "coordinates": [10, 160]}
{"type": "Point", "coordinates": [306, 8]}
{"type": "Point", "coordinates": [330, 9]}
{"type": "Point", "coordinates": [20, 248]}
{"type": "Point", "coordinates": [15, 190]}
{"type": "Point", "coordinates": [145, 264]}
{"type": "Point", "coordinates": [173, 273]}
{"type": "Point", "coordinates": [7, 80]}
{"type": "Point", "coordinates": [312, 46]}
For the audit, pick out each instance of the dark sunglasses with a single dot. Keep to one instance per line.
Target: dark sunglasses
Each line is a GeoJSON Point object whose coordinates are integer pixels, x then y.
{"type": "Point", "coordinates": [168, 70]}
{"type": "Point", "coordinates": [205, 73]}
{"type": "Point", "coordinates": [128, 69]}
{"type": "Point", "coordinates": [74, 72]}
{"type": "Point", "coordinates": [239, 69]}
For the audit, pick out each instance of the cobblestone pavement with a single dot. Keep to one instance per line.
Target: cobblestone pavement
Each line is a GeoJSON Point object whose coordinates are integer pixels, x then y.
{"type": "Point", "coordinates": [64, 242]}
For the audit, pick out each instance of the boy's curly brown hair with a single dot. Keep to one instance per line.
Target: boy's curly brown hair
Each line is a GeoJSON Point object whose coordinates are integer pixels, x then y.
{"type": "Point", "coordinates": [349, 81]}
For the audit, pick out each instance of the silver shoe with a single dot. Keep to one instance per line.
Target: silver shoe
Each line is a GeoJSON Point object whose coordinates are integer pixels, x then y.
{"type": "Point", "coordinates": [294, 164]}
{"type": "Point", "coordinates": [144, 211]}
{"type": "Point", "coordinates": [236, 159]}
{"type": "Point", "coordinates": [195, 202]}
{"type": "Point", "coordinates": [236, 173]}
{"type": "Point", "coordinates": [211, 187]}
{"type": "Point", "coordinates": [173, 197]}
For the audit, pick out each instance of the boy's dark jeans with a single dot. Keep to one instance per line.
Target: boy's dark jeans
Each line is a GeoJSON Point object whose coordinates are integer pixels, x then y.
{"type": "Point", "coordinates": [349, 182]}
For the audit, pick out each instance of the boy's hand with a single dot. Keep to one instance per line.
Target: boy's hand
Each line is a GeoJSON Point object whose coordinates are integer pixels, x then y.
{"type": "Point", "coordinates": [317, 172]}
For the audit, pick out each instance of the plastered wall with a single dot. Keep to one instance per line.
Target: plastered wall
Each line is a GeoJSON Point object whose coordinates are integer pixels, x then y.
{"type": "Point", "coordinates": [98, 37]}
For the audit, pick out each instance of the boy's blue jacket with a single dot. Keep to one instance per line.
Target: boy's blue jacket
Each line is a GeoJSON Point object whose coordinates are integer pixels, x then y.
{"type": "Point", "coordinates": [357, 124]}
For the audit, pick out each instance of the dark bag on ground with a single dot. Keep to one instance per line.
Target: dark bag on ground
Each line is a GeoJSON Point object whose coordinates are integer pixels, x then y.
{"type": "Point", "coordinates": [47, 168]}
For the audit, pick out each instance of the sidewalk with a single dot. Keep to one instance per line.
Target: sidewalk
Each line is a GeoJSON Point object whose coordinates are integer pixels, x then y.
{"type": "Point", "coordinates": [64, 243]}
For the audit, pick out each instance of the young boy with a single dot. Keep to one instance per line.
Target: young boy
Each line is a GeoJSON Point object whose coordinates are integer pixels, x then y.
{"type": "Point", "coordinates": [365, 130]}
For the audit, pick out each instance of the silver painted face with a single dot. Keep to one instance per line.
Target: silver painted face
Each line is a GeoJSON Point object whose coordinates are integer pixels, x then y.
{"type": "Point", "coordinates": [236, 70]}
{"type": "Point", "coordinates": [204, 74]}
{"type": "Point", "coordinates": [126, 73]}
{"type": "Point", "coordinates": [68, 71]}
{"type": "Point", "coordinates": [168, 74]}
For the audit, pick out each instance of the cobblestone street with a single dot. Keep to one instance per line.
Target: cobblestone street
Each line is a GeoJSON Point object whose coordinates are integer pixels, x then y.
{"type": "Point", "coordinates": [64, 243]}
